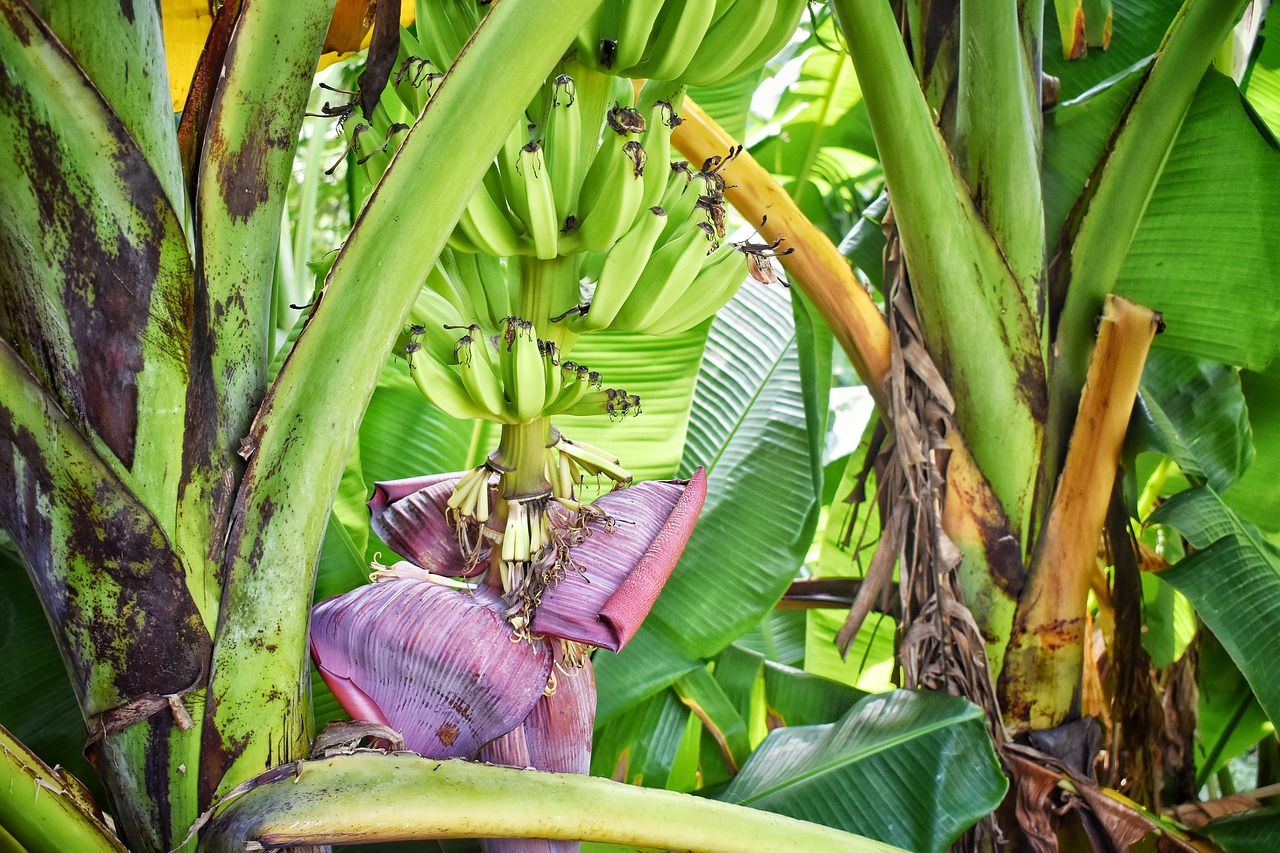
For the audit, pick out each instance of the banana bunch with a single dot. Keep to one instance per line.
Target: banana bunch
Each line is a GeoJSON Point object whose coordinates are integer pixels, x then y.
{"type": "Point", "coordinates": [670, 271]}
{"type": "Point", "coordinates": [698, 42]}
{"type": "Point", "coordinates": [509, 376]}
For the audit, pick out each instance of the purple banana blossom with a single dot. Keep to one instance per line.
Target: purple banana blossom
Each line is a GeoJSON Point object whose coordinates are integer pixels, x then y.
{"type": "Point", "coordinates": [556, 736]}
{"type": "Point", "coordinates": [445, 668]}
{"type": "Point", "coordinates": [621, 564]}
{"type": "Point", "coordinates": [435, 663]}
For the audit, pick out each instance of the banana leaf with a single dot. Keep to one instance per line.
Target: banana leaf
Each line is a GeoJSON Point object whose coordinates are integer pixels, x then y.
{"type": "Point", "coordinates": [909, 768]}
{"type": "Point", "coordinates": [1232, 564]}
{"type": "Point", "coordinates": [1246, 832]}
{"type": "Point", "coordinates": [1194, 412]}
{"type": "Point", "coordinates": [1256, 496]}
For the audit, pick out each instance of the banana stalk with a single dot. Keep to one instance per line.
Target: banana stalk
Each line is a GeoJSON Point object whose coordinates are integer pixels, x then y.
{"type": "Point", "coordinates": [467, 800]}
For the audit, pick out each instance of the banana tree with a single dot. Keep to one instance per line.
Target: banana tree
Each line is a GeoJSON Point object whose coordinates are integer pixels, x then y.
{"type": "Point", "coordinates": [193, 522]}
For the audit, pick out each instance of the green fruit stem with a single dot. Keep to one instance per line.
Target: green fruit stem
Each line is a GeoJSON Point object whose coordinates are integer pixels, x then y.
{"type": "Point", "coordinates": [523, 449]}
{"type": "Point", "coordinates": [547, 289]}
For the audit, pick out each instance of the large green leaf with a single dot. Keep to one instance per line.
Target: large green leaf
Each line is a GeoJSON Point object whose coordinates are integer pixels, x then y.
{"type": "Point", "coordinates": [1195, 413]}
{"type": "Point", "coordinates": [1262, 85]}
{"type": "Point", "coordinates": [1246, 832]}
{"type": "Point", "coordinates": [1256, 495]}
{"type": "Point", "coordinates": [910, 768]}
{"type": "Point", "coordinates": [749, 429]}
{"type": "Point", "coordinates": [1233, 579]}
{"type": "Point", "coordinates": [1199, 255]}
{"type": "Point", "coordinates": [1075, 136]}
{"type": "Point", "coordinates": [1229, 719]}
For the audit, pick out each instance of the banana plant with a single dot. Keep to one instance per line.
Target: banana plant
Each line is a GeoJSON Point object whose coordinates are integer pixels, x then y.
{"type": "Point", "coordinates": [174, 544]}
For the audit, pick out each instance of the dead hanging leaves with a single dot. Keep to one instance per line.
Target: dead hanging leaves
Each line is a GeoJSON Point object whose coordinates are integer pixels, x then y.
{"type": "Point", "coordinates": [941, 645]}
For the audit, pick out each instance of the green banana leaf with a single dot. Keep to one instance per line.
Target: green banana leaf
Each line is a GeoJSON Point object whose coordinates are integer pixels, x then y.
{"type": "Point", "coordinates": [779, 637]}
{"type": "Point", "coordinates": [847, 545]}
{"type": "Point", "coordinates": [909, 768]}
{"type": "Point", "coordinates": [1229, 719]}
{"type": "Point", "coordinates": [1232, 564]}
{"type": "Point", "coordinates": [1221, 174]}
{"type": "Point", "coordinates": [1076, 133]}
{"type": "Point", "coordinates": [1256, 496]}
{"type": "Point", "coordinates": [1246, 832]}
{"type": "Point", "coordinates": [749, 429]}
{"type": "Point", "coordinates": [798, 698]}
{"type": "Point", "coordinates": [1169, 621]}
{"type": "Point", "coordinates": [649, 663]}
{"type": "Point", "coordinates": [1194, 412]}
{"type": "Point", "coordinates": [723, 726]}
{"type": "Point", "coordinates": [1137, 30]}
{"type": "Point", "coordinates": [640, 745]}
{"type": "Point", "coordinates": [1262, 83]}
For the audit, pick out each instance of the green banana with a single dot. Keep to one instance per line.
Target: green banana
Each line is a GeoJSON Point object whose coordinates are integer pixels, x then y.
{"type": "Point", "coordinates": [718, 280]}
{"type": "Point", "coordinates": [540, 203]}
{"type": "Point", "coordinates": [551, 373]}
{"type": "Point", "coordinates": [669, 273]}
{"type": "Point", "coordinates": [684, 188]}
{"type": "Point", "coordinates": [612, 190]}
{"type": "Point", "coordinates": [444, 388]}
{"type": "Point", "coordinates": [575, 382]}
{"type": "Point", "coordinates": [594, 460]}
{"type": "Point", "coordinates": [635, 26]}
{"type": "Point", "coordinates": [479, 378]}
{"type": "Point", "coordinates": [725, 48]}
{"type": "Point", "coordinates": [563, 145]}
{"type": "Point", "coordinates": [785, 20]}
{"type": "Point", "coordinates": [623, 266]}
{"type": "Point", "coordinates": [439, 281]}
{"type": "Point", "coordinates": [484, 225]}
{"type": "Point", "coordinates": [678, 32]}
{"type": "Point", "coordinates": [659, 100]}
{"type": "Point", "coordinates": [460, 268]}
{"type": "Point", "coordinates": [514, 190]}
{"type": "Point", "coordinates": [530, 391]}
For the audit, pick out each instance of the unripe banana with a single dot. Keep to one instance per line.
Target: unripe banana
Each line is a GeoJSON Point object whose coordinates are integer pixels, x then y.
{"type": "Point", "coordinates": [513, 176]}
{"type": "Point", "coordinates": [612, 191]}
{"type": "Point", "coordinates": [485, 226]}
{"type": "Point", "coordinates": [464, 278]}
{"type": "Point", "coordinates": [563, 144]}
{"type": "Point", "coordinates": [635, 26]}
{"type": "Point", "coordinates": [444, 388]}
{"type": "Point", "coordinates": [667, 276]}
{"type": "Point", "coordinates": [786, 18]}
{"type": "Point", "coordinates": [593, 460]}
{"type": "Point", "coordinates": [530, 389]}
{"type": "Point", "coordinates": [550, 372]}
{"type": "Point", "coordinates": [729, 42]}
{"type": "Point", "coordinates": [717, 282]}
{"type": "Point", "coordinates": [439, 282]}
{"type": "Point", "coordinates": [622, 268]}
{"type": "Point", "coordinates": [479, 378]}
{"type": "Point", "coordinates": [544, 226]}
{"type": "Point", "coordinates": [660, 101]}
{"type": "Point", "coordinates": [575, 382]}
{"type": "Point", "coordinates": [681, 200]}
{"type": "Point", "coordinates": [497, 282]}
{"type": "Point", "coordinates": [677, 34]}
